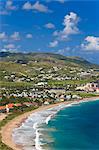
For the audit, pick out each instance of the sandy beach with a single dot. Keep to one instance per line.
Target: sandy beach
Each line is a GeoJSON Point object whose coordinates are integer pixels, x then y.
{"type": "Point", "coordinates": [7, 130]}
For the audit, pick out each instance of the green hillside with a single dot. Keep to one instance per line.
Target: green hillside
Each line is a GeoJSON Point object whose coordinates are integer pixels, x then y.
{"type": "Point", "coordinates": [44, 57]}
{"type": "Point", "coordinates": [20, 69]}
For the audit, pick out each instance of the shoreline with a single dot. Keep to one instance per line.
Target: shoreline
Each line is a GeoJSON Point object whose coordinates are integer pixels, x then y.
{"type": "Point", "coordinates": [7, 130]}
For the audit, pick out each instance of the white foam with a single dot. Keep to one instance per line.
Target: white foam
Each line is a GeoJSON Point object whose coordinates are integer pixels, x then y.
{"type": "Point", "coordinates": [35, 126]}
{"type": "Point", "coordinates": [48, 119]}
{"type": "Point", "coordinates": [30, 129]}
{"type": "Point", "coordinates": [37, 141]}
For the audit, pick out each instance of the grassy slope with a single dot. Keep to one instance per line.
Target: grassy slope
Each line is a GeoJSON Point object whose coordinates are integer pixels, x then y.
{"type": "Point", "coordinates": [45, 60]}
{"type": "Point", "coordinates": [44, 57]}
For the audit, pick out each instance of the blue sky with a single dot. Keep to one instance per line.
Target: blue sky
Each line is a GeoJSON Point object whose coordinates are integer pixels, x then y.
{"type": "Point", "coordinates": [67, 27]}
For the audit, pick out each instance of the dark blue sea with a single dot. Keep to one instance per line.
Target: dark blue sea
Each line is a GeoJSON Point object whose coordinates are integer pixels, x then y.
{"type": "Point", "coordinates": [74, 128]}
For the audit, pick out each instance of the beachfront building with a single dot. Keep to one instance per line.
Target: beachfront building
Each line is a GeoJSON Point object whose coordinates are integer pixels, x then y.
{"type": "Point", "coordinates": [62, 97]}
{"type": "Point", "coordinates": [89, 87]}
{"type": "Point", "coordinates": [46, 103]}
{"type": "Point", "coordinates": [97, 90]}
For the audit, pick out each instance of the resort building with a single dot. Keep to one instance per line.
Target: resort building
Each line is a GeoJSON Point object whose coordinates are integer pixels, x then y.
{"type": "Point", "coordinates": [89, 87]}
{"type": "Point", "coordinates": [97, 90]}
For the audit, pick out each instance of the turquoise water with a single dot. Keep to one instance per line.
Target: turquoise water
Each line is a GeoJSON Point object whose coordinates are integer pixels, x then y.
{"type": "Point", "coordinates": [74, 128]}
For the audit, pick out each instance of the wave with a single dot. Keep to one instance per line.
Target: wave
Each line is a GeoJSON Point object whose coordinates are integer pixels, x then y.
{"type": "Point", "coordinates": [32, 127]}
{"type": "Point", "coordinates": [48, 119]}
{"type": "Point", "coordinates": [35, 126]}
{"type": "Point", "coordinates": [37, 140]}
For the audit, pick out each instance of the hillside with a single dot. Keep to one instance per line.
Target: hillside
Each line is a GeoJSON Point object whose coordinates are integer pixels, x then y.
{"type": "Point", "coordinates": [24, 58]}
{"type": "Point", "coordinates": [21, 72]}
{"type": "Point", "coordinates": [19, 69]}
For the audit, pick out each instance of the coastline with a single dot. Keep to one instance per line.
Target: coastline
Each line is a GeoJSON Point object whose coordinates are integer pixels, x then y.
{"type": "Point", "coordinates": [7, 130]}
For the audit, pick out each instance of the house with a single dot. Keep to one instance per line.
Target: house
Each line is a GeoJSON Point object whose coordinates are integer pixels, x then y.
{"type": "Point", "coordinates": [68, 97]}
{"type": "Point", "coordinates": [42, 83]}
{"type": "Point", "coordinates": [46, 103]}
{"type": "Point", "coordinates": [89, 87]}
{"type": "Point", "coordinates": [62, 98]}
{"type": "Point", "coordinates": [76, 97]}
{"type": "Point", "coordinates": [97, 90]}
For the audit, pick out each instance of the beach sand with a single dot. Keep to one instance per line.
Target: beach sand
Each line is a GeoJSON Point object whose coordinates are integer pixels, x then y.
{"type": "Point", "coordinates": [7, 130]}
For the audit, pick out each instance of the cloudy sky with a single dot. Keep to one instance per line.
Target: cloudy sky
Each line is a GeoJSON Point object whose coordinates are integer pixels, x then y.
{"type": "Point", "coordinates": [67, 27]}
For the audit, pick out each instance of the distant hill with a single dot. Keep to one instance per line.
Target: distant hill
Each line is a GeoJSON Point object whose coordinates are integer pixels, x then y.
{"type": "Point", "coordinates": [26, 69]}
{"type": "Point", "coordinates": [24, 58]}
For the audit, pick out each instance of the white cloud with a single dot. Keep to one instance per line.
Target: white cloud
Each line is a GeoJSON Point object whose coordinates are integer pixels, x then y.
{"type": "Point", "coordinates": [60, 51]}
{"type": "Point", "coordinates": [40, 7]}
{"type": "Point", "coordinates": [29, 36]}
{"type": "Point", "coordinates": [10, 6]}
{"type": "Point", "coordinates": [53, 44]}
{"type": "Point", "coordinates": [70, 23]}
{"type": "Point", "coordinates": [3, 50]}
{"type": "Point", "coordinates": [27, 6]}
{"type": "Point", "coordinates": [9, 46]}
{"type": "Point", "coordinates": [15, 36]}
{"type": "Point", "coordinates": [36, 6]}
{"type": "Point", "coordinates": [55, 33]}
{"type": "Point", "coordinates": [70, 26]}
{"type": "Point", "coordinates": [60, 1]}
{"type": "Point", "coordinates": [4, 12]}
{"type": "Point", "coordinates": [50, 26]}
{"type": "Point", "coordinates": [9, 3]}
{"type": "Point", "coordinates": [3, 36]}
{"type": "Point", "coordinates": [64, 51]}
{"type": "Point", "coordinates": [90, 43]}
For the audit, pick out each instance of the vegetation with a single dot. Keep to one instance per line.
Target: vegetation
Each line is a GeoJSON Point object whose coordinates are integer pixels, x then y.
{"type": "Point", "coordinates": [15, 84]}
{"type": "Point", "coordinates": [68, 82]}
{"type": "Point", "coordinates": [44, 57]}
{"type": "Point", "coordinates": [83, 94]}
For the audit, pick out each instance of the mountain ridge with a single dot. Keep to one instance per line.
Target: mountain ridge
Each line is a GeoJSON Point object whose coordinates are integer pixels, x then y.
{"type": "Point", "coordinates": [44, 57]}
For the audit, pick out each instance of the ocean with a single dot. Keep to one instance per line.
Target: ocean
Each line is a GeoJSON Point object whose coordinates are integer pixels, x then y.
{"type": "Point", "coordinates": [72, 127]}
